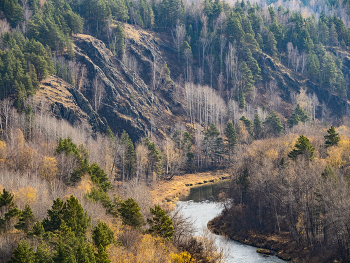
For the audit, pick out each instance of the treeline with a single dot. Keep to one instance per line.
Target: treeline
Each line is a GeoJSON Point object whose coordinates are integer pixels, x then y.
{"type": "Point", "coordinates": [297, 185]}
{"type": "Point", "coordinates": [217, 44]}
{"type": "Point", "coordinates": [59, 200]}
{"type": "Point", "coordinates": [23, 63]}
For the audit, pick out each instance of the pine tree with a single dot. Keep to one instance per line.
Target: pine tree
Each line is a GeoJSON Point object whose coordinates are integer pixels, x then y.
{"type": "Point", "coordinates": [270, 45]}
{"type": "Point", "coordinates": [328, 173]}
{"type": "Point", "coordinates": [23, 253]}
{"type": "Point", "coordinates": [302, 146]}
{"type": "Point", "coordinates": [129, 154]}
{"type": "Point", "coordinates": [154, 158]}
{"type": "Point", "coordinates": [120, 39]}
{"type": "Point", "coordinates": [213, 144]}
{"type": "Point", "coordinates": [55, 216]}
{"type": "Point", "coordinates": [231, 138]}
{"type": "Point", "coordinates": [160, 224]}
{"type": "Point", "coordinates": [102, 235]}
{"type": "Point", "coordinates": [99, 177]}
{"type": "Point", "coordinates": [75, 217]}
{"type": "Point", "coordinates": [257, 128]}
{"type": "Point", "coordinates": [332, 138]}
{"type": "Point", "coordinates": [43, 254]}
{"type": "Point", "coordinates": [243, 182]}
{"type": "Point", "coordinates": [102, 256]}
{"type": "Point", "coordinates": [26, 219]}
{"type": "Point", "coordinates": [313, 66]}
{"type": "Point", "coordinates": [299, 115]}
{"type": "Point", "coordinates": [110, 133]}
{"type": "Point", "coordinates": [252, 63]}
{"type": "Point", "coordinates": [130, 213]}
{"type": "Point", "coordinates": [241, 100]}
{"type": "Point", "coordinates": [273, 123]}
{"type": "Point", "coordinates": [234, 29]}
{"type": "Point", "coordinates": [247, 77]}
{"type": "Point", "coordinates": [248, 124]}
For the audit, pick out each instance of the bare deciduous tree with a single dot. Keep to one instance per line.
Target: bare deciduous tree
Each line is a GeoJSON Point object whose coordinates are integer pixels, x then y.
{"type": "Point", "coordinates": [178, 35]}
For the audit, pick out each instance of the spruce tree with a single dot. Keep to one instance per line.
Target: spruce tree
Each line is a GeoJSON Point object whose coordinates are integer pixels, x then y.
{"type": "Point", "coordinates": [160, 224]}
{"type": "Point", "coordinates": [332, 138]}
{"type": "Point", "coordinates": [302, 146]}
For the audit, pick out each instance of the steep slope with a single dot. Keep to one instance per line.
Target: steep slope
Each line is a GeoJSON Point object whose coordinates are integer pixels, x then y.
{"type": "Point", "coordinates": [63, 100]}
{"type": "Point", "coordinates": [127, 102]}
{"type": "Point", "coordinates": [132, 96]}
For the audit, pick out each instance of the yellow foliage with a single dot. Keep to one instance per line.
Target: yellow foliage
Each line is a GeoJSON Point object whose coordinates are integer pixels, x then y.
{"type": "Point", "coordinates": [19, 138]}
{"type": "Point", "coordinates": [2, 150]}
{"type": "Point", "coordinates": [27, 195]}
{"type": "Point", "coordinates": [85, 184]}
{"type": "Point", "coordinates": [272, 153]}
{"type": "Point", "coordinates": [149, 250]}
{"type": "Point", "coordinates": [339, 155]}
{"type": "Point", "coordinates": [183, 257]}
{"type": "Point", "coordinates": [25, 158]}
{"type": "Point", "coordinates": [48, 170]}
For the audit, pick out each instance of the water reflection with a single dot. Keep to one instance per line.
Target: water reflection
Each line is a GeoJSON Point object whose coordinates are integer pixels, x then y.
{"type": "Point", "coordinates": [201, 207]}
{"type": "Point", "coordinates": [207, 191]}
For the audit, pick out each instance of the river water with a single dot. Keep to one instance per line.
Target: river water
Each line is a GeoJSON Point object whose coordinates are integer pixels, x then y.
{"type": "Point", "coordinates": [201, 207]}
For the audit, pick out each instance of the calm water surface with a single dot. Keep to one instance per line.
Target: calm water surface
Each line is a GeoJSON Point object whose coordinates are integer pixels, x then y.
{"type": "Point", "coordinates": [201, 207]}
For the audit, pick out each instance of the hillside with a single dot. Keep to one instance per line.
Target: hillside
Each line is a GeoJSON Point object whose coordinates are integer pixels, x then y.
{"type": "Point", "coordinates": [111, 108]}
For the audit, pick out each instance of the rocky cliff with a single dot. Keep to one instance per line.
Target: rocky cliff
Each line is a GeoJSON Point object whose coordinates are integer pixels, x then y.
{"type": "Point", "coordinates": [133, 97]}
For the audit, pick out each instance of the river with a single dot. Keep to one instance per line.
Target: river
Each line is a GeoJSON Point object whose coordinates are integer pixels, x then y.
{"type": "Point", "coordinates": [201, 207]}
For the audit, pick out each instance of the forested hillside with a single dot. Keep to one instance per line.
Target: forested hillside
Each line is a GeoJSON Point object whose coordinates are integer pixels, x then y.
{"type": "Point", "coordinates": [100, 99]}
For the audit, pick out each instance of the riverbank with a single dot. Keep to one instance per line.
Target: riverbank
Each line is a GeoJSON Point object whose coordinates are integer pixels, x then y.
{"type": "Point", "coordinates": [170, 191]}
{"type": "Point", "coordinates": [286, 248]}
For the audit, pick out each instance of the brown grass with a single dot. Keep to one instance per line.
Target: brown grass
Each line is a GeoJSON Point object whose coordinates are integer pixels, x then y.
{"type": "Point", "coordinates": [180, 185]}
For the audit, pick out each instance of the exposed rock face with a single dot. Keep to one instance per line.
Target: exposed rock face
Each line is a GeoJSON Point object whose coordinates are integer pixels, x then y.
{"type": "Point", "coordinates": [131, 101]}
{"type": "Point", "coordinates": [65, 101]}
{"type": "Point", "coordinates": [128, 103]}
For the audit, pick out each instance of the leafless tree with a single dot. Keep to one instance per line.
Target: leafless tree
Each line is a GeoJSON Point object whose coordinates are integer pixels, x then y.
{"type": "Point", "coordinates": [221, 84]}
{"type": "Point", "coordinates": [188, 57]}
{"type": "Point", "coordinates": [178, 35]}
{"type": "Point", "coordinates": [303, 62]}
{"type": "Point", "coordinates": [98, 92]}
{"type": "Point", "coordinates": [289, 49]}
